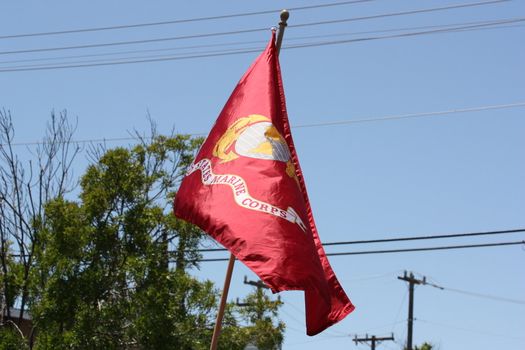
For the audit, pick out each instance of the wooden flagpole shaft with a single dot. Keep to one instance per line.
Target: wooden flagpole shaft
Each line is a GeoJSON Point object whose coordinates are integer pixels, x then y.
{"type": "Point", "coordinates": [222, 306]}
{"type": "Point", "coordinates": [220, 315]}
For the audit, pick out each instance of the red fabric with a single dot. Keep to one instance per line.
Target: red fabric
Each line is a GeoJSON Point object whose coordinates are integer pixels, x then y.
{"type": "Point", "coordinates": [245, 188]}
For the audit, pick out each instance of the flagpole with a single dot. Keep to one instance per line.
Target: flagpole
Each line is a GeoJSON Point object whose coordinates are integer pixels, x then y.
{"type": "Point", "coordinates": [229, 271]}
{"type": "Point", "coordinates": [222, 306]}
{"type": "Point", "coordinates": [282, 25]}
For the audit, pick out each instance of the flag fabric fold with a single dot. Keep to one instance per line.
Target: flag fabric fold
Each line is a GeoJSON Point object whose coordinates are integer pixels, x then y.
{"type": "Point", "coordinates": [246, 189]}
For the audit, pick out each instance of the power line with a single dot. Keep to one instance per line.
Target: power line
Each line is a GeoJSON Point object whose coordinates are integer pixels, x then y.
{"type": "Point", "coordinates": [201, 54]}
{"type": "Point", "coordinates": [178, 48]}
{"type": "Point", "coordinates": [417, 238]}
{"type": "Point", "coordinates": [404, 35]}
{"type": "Point", "coordinates": [384, 251]}
{"type": "Point", "coordinates": [173, 58]}
{"type": "Point", "coordinates": [252, 30]}
{"type": "Point", "coordinates": [394, 14]}
{"type": "Point", "coordinates": [230, 43]}
{"type": "Point", "coordinates": [406, 250]}
{"type": "Point", "coordinates": [125, 60]}
{"type": "Point", "coordinates": [179, 21]}
{"type": "Point", "coordinates": [478, 295]}
{"type": "Point", "coordinates": [236, 43]}
{"type": "Point", "coordinates": [412, 115]}
{"type": "Point", "coordinates": [377, 327]}
{"type": "Point", "coordinates": [134, 42]}
{"type": "Point", "coordinates": [253, 50]}
{"type": "Point", "coordinates": [499, 244]}
{"type": "Point", "coordinates": [486, 333]}
{"type": "Point", "coordinates": [401, 239]}
{"type": "Point", "coordinates": [311, 125]}
{"type": "Point", "coordinates": [396, 320]}
{"type": "Point", "coordinates": [369, 278]}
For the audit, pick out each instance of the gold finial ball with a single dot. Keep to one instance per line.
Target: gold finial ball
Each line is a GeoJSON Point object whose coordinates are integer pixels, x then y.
{"type": "Point", "coordinates": [285, 15]}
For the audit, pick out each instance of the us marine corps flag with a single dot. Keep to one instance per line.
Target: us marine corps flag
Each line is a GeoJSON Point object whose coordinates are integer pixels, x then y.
{"type": "Point", "coordinates": [245, 189]}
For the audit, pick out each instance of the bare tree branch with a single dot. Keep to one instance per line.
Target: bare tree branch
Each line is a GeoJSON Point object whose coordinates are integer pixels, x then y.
{"type": "Point", "coordinates": [25, 188]}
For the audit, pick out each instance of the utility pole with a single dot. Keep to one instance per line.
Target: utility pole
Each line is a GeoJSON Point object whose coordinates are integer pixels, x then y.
{"type": "Point", "coordinates": [259, 284]}
{"type": "Point", "coordinates": [373, 340]}
{"type": "Point", "coordinates": [238, 303]}
{"type": "Point", "coordinates": [412, 281]}
{"type": "Point", "coordinates": [260, 294]}
{"type": "Point", "coordinates": [256, 305]}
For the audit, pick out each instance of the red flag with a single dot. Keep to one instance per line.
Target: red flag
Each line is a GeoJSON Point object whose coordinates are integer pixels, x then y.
{"type": "Point", "coordinates": [245, 188]}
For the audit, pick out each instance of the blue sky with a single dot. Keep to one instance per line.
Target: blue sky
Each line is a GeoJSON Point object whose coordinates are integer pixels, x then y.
{"type": "Point", "coordinates": [452, 173]}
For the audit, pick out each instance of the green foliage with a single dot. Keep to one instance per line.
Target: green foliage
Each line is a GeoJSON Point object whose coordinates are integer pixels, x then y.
{"type": "Point", "coordinates": [102, 278]}
{"type": "Point", "coordinates": [424, 346]}
{"type": "Point", "coordinates": [111, 269]}
{"type": "Point", "coordinates": [11, 278]}
{"type": "Point", "coordinates": [259, 313]}
{"type": "Point", "coordinates": [10, 338]}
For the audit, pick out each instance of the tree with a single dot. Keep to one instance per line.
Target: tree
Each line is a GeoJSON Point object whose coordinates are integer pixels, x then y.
{"type": "Point", "coordinates": [10, 338]}
{"type": "Point", "coordinates": [259, 312]}
{"type": "Point", "coordinates": [109, 267]}
{"type": "Point", "coordinates": [424, 346]}
{"type": "Point", "coordinates": [112, 268]}
{"type": "Point", "coordinates": [103, 277]}
{"type": "Point", "coordinates": [25, 186]}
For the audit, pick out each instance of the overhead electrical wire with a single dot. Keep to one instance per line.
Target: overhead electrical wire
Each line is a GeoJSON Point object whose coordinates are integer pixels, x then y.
{"type": "Point", "coordinates": [419, 238]}
{"type": "Point", "coordinates": [207, 54]}
{"type": "Point", "coordinates": [210, 53]}
{"type": "Point", "coordinates": [422, 249]}
{"type": "Point", "coordinates": [398, 313]}
{"type": "Point", "coordinates": [406, 250]}
{"type": "Point", "coordinates": [133, 42]}
{"type": "Point", "coordinates": [373, 328]}
{"type": "Point", "coordinates": [237, 43]}
{"type": "Point", "coordinates": [403, 239]}
{"type": "Point", "coordinates": [403, 35]}
{"type": "Point", "coordinates": [478, 295]}
{"type": "Point", "coordinates": [311, 125]}
{"type": "Point", "coordinates": [383, 251]}
{"type": "Point", "coordinates": [411, 115]}
{"type": "Point", "coordinates": [245, 51]}
{"type": "Point", "coordinates": [482, 332]}
{"type": "Point", "coordinates": [244, 31]}
{"type": "Point", "coordinates": [177, 48]}
{"type": "Point", "coordinates": [402, 13]}
{"type": "Point", "coordinates": [180, 21]}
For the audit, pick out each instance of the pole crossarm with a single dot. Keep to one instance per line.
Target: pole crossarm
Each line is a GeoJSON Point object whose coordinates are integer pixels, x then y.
{"type": "Point", "coordinates": [258, 284]}
{"type": "Point", "coordinates": [373, 340]}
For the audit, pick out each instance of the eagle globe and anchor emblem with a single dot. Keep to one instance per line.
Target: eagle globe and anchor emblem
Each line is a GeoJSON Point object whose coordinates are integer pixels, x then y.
{"type": "Point", "coordinates": [256, 137]}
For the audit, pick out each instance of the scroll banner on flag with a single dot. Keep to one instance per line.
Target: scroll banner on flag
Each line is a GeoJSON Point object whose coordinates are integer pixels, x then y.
{"type": "Point", "coordinates": [246, 189]}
